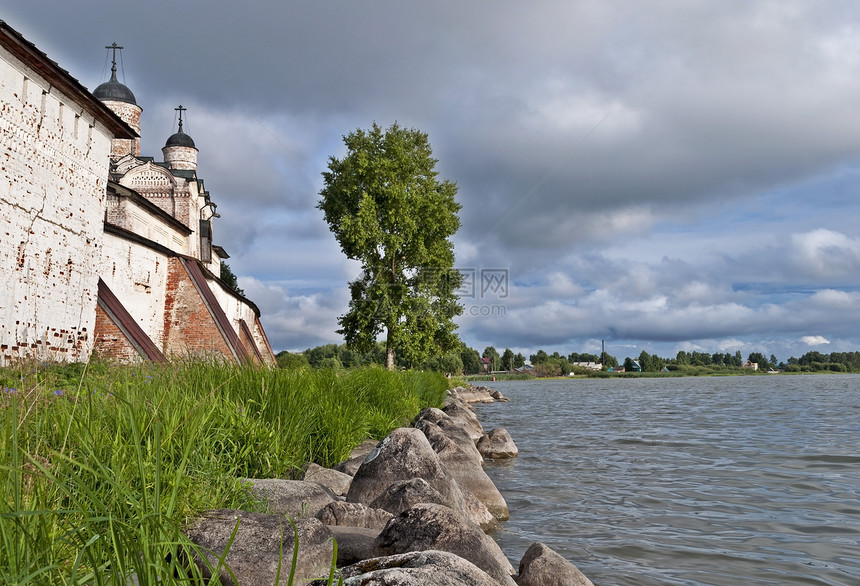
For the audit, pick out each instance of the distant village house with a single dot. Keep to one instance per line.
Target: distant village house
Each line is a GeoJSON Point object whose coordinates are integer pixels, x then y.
{"type": "Point", "coordinates": [748, 364]}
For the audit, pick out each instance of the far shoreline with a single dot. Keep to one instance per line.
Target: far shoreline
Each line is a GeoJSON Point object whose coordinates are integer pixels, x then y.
{"type": "Point", "coordinates": [634, 375]}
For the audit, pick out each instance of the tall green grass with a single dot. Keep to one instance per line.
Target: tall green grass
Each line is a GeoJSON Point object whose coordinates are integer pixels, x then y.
{"type": "Point", "coordinates": [101, 466]}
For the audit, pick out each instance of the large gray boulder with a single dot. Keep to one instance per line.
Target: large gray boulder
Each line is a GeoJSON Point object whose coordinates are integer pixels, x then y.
{"type": "Point", "coordinates": [457, 431]}
{"type": "Point", "coordinates": [472, 394]}
{"type": "Point", "coordinates": [431, 526]}
{"type": "Point", "coordinates": [354, 544]}
{"type": "Point", "coordinates": [463, 415]}
{"type": "Point", "coordinates": [354, 515]}
{"type": "Point", "coordinates": [260, 541]}
{"type": "Point", "coordinates": [449, 451]}
{"type": "Point", "coordinates": [295, 498]}
{"type": "Point", "coordinates": [498, 396]}
{"type": "Point", "coordinates": [466, 470]}
{"type": "Point", "coordinates": [453, 434]}
{"type": "Point", "coordinates": [337, 482]}
{"type": "Point", "coordinates": [431, 414]}
{"type": "Point", "coordinates": [497, 444]}
{"type": "Point", "coordinates": [404, 453]}
{"type": "Point", "coordinates": [405, 494]}
{"type": "Point", "coordinates": [356, 457]}
{"type": "Point", "coordinates": [541, 566]}
{"type": "Point", "coordinates": [478, 512]}
{"type": "Point", "coordinates": [420, 568]}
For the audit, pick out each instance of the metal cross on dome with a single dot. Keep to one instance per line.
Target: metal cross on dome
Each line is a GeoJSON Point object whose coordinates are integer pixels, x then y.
{"type": "Point", "coordinates": [180, 109]}
{"type": "Point", "coordinates": [114, 47]}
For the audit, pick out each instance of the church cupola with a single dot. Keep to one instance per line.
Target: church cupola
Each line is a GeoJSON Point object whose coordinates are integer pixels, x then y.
{"type": "Point", "coordinates": [120, 99]}
{"type": "Point", "coordinates": [179, 150]}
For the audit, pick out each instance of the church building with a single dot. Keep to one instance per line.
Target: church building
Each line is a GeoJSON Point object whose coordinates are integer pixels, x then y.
{"type": "Point", "coordinates": [103, 250]}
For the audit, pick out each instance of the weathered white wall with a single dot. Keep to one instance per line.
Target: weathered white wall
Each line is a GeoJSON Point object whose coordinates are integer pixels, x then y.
{"type": "Point", "coordinates": [137, 275]}
{"type": "Point", "coordinates": [180, 157]}
{"type": "Point", "coordinates": [53, 175]}
{"type": "Point", "coordinates": [177, 196]}
{"type": "Point", "coordinates": [214, 265]}
{"type": "Point", "coordinates": [122, 212]}
{"type": "Point", "coordinates": [231, 305]}
{"type": "Point", "coordinates": [130, 113]}
{"type": "Point", "coordinates": [236, 309]}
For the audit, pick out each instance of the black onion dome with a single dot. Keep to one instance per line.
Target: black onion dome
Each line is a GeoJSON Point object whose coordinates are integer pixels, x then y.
{"type": "Point", "coordinates": [113, 90]}
{"type": "Point", "coordinates": [180, 139]}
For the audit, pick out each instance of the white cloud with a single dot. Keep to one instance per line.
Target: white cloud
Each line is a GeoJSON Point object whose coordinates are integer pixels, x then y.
{"type": "Point", "coordinates": [814, 340]}
{"type": "Point", "coordinates": [296, 322]}
{"type": "Point", "coordinates": [824, 253]}
{"type": "Point", "coordinates": [834, 300]}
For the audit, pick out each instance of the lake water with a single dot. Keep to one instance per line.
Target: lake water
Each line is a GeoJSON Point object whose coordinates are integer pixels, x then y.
{"type": "Point", "coordinates": [713, 480]}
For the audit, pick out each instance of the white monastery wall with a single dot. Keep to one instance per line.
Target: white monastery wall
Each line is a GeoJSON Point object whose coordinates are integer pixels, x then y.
{"type": "Point", "coordinates": [236, 310]}
{"type": "Point", "coordinates": [122, 212]}
{"type": "Point", "coordinates": [234, 307]}
{"type": "Point", "coordinates": [137, 275]}
{"type": "Point", "coordinates": [214, 265]}
{"type": "Point", "coordinates": [53, 175]}
{"type": "Point", "coordinates": [176, 196]}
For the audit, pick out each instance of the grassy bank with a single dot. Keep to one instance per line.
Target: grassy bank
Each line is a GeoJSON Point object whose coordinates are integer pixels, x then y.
{"type": "Point", "coordinates": [102, 464]}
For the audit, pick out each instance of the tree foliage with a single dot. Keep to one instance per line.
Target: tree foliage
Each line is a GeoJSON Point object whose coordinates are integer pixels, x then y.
{"type": "Point", "coordinates": [508, 359]}
{"type": "Point", "coordinates": [492, 355]}
{"type": "Point", "coordinates": [758, 358]}
{"type": "Point", "coordinates": [230, 278]}
{"type": "Point", "coordinates": [289, 360]}
{"type": "Point", "coordinates": [388, 210]}
{"type": "Point", "coordinates": [519, 360]}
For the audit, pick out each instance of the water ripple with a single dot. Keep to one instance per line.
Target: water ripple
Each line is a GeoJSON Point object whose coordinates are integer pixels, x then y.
{"type": "Point", "coordinates": [735, 480]}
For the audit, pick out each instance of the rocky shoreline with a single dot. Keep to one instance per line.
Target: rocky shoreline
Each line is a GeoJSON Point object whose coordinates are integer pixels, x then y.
{"type": "Point", "coordinates": [414, 509]}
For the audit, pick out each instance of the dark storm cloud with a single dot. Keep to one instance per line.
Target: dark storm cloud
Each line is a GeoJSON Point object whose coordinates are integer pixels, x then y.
{"type": "Point", "coordinates": [590, 141]}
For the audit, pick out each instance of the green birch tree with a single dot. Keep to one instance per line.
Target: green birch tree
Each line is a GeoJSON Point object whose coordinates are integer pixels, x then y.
{"type": "Point", "coordinates": [508, 359]}
{"type": "Point", "coordinates": [387, 208]}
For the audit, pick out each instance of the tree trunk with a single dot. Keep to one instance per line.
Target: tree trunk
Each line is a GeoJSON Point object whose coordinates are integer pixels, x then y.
{"type": "Point", "coordinates": [389, 352]}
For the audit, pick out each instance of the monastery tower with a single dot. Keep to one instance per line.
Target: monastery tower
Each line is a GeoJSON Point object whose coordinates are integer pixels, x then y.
{"type": "Point", "coordinates": [179, 150]}
{"type": "Point", "coordinates": [172, 184]}
{"type": "Point", "coordinates": [120, 99]}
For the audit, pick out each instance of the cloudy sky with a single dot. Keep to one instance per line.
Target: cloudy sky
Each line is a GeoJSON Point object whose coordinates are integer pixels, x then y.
{"type": "Point", "coordinates": [659, 174]}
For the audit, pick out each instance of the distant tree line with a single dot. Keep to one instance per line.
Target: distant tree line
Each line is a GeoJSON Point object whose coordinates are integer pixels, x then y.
{"type": "Point", "coordinates": [809, 362]}
{"type": "Point", "coordinates": [818, 362]}
{"type": "Point", "coordinates": [340, 356]}
{"type": "Point", "coordinates": [699, 360]}
{"type": "Point", "coordinates": [556, 364]}
{"type": "Point", "coordinates": [465, 360]}
{"type": "Point", "coordinates": [468, 361]}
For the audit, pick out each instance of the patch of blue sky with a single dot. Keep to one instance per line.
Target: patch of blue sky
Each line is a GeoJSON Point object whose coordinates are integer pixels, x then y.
{"type": "Point", "coordinates": [761, 294]}
{"type": "Point", "coordinates": [822, 200]}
